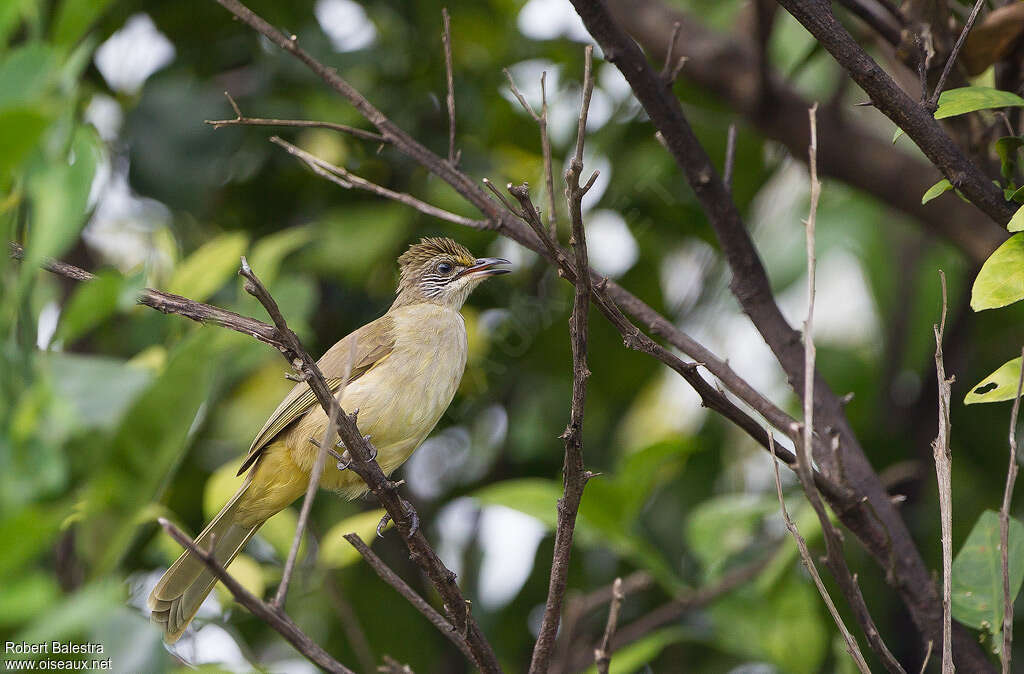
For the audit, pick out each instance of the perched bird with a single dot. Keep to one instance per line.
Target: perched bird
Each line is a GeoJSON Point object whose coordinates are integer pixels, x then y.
{"type": "Point", "coordinates": [403, 370]}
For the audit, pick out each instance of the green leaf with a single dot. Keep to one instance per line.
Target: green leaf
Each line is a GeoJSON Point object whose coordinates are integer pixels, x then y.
{"type": "Point", "coordinates": [726, 525]}
{"type": "Point", "coordinates": [953, 102]}
{"type": "Point", "coordinates": [208, 268]}
{"type": "Point", "coordinates": [766, 625]}
{"type": "Point", "coordinates": [74, 17]}
{"type": "Point", "coordinates": [268, 252]}
{"type": "Point", "coordinates": [100, 389]}
{"type": "Point", "coordinates": [335, 551]}
{"type": "Point", "coordinates": [999, 386]}
{"type": "Point", "coordinates": [977, 580]}
{"type": "Point", "coordinates": [936, 190]}
{"type": "Point", "coordinates": [637, 655]}
{"type": "Point", "coordinates": [60, 196]}
{"type": "Point", "coordinates": [1006, 148]}
{"type": "Point", "coordinates": [896, 135]}
{"type": "Point", "coordinates": [161, 421]}
{"type": "Point", "coordinates": [95, 301]}
{"type": "Point", "coordinates": [1016, 223]}
{"type": "Point", "coordinates": [1001, 279]}
{"type": "Point", "coordinates": [26, 73]}
{"type": "Point", "coordinates": [20, 130]}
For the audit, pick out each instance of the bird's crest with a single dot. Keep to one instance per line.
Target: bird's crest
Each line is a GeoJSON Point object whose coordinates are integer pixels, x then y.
{"type": "Point", "coordinates": [430, 247]}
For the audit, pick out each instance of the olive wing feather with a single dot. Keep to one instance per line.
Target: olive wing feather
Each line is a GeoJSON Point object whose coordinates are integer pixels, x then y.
{"type": "Point", "coordinates": [373, 343]}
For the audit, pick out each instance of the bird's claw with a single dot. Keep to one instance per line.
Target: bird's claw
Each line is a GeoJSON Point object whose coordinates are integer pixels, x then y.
{"type": "Point", "coordinates": [410, 512]}
{"type": "Point", "coordinates": [345, 458]}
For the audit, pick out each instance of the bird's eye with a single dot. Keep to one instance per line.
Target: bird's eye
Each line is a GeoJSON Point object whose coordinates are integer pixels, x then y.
{"type": "Point", "coordinates": [444, 268]}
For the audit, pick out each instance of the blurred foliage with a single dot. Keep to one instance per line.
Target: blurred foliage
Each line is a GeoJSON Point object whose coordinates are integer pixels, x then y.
{"type": "Point", "coordinates": [113, 415]}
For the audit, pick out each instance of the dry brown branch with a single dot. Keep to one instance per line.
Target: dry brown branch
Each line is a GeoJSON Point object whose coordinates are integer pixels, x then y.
{"type": "Point", "coordinates": [348, 180]}
{"type": "Point", "coordinates": [242, 120]}
{"type": "Point", "coordinates": [943, 469]}
{"type": "Point", "coordinates": [574, 475]}
{"type": "Point", "coordinates": [545, 144]}
{"type": "Point", "coordinates": [933, 102]}
{"type": "Point", "coordinates": [1004, 527]}
{"type": "Point", "coordinates": [259, 608]}
{"type": "Point", "coordinates": [676, 608]}
{"type": "Point", "coordinates": [805, 556]}
{"type": "Point", "coordinates": [603, 653]}
{"type": "Point", "coordinates": [400, 586]}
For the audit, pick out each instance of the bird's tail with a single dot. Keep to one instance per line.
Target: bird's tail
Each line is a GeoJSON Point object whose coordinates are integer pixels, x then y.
{"type": "Point", "coordinates": [177, 597]}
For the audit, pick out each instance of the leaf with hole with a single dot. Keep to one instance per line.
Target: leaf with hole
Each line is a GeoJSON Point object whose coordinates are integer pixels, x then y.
{"type": "Point", "coordinates": [999, 386]}
{"type": "Point", "coordinates": [1001, 279]}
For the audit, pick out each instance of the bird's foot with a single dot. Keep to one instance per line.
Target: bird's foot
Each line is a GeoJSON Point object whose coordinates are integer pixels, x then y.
{"type": "Point", "coordinates": [410, 513]}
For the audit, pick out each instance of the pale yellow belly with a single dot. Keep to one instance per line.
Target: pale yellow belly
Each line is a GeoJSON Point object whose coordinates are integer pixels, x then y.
{"type": "Point", "coordinates": [399, 402]}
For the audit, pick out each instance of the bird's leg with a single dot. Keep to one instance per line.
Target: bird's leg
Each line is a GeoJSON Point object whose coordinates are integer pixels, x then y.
{"type": "Point", "coordinates": [345, 458]}
{"type": "Point", "coordinates": [410, 512]}
{"type": "Point", "coordinates": [341, 459]}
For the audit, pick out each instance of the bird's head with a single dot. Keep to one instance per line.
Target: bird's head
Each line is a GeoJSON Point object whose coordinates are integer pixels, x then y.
{"type": "Point", "coordinates": [441, 271]}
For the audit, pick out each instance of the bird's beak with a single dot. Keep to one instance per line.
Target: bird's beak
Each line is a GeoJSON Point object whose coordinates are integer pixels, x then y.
{"type": "Point", "coordinates": [486, 266]}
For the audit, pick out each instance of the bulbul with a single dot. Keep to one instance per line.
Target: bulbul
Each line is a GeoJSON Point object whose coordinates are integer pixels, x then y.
{"type": "Point", "coordinates": [403, 370]}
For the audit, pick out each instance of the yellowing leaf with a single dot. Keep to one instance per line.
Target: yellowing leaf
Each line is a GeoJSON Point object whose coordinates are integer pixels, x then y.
{"type": "Point", "coordinates": [209, 268]}
{"type": "Point", "coordinates": [1001, 279]}
{"type": "Point", "coordinates": [335, 551]}
{"type": "Point", "coordinates": [977, 581]}
{"type": "Point", "coordinates": [998, 386]}
{"type": "Point", "coordinates": [1016, 223]}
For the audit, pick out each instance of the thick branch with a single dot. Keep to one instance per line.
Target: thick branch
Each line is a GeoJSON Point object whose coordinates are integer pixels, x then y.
{"type": "Point", "coordinates": [890, 543]}
{"type": "Point", "coordinates": [574, 475]}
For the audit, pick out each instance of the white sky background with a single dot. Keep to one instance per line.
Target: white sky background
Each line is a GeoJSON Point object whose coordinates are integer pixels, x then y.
{"type": "Point", "coordinates": [693, 282]}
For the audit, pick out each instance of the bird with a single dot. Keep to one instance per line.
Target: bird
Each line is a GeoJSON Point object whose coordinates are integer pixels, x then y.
{"type": "Point", "coordinates": [402, 372]}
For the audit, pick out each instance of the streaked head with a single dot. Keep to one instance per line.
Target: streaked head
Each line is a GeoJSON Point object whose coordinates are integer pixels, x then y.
{"type": "Point", "coordinates": [441, 271]}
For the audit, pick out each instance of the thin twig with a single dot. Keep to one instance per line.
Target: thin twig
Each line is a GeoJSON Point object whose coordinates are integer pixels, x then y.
{"type": "Point", "coordinates": [730, 156]}
{"type": "Point", "coordinates": [805, 556]}
{"type": "Point", "coordinates": [574, 475]}
{"type": "Point", "coordinates": [446, 40]}
{"type": "Point", "coordinates": [933, 102]}
{"type": "Point", "coordinates": [328, 440]}
{"type": "Point", "coordinates": [943, 469]}
{"type": "Point", "coordinates": [259, 608]}
{"type": "Point", "coordinates": [835, 560]}
{"type": "Point", "coordinates": [400, 586]}
{"type": "Point", "coordinates": [1004, 527]}
{"type": "Point", "coordinates": [603, 653]}
{"type": "Point", "coordinates": [242, 120]}
{"type": "Point", "coordinates": [350, 624]}
{"type": "Point", "coordinates": [545, 143]}
{"type": "Point", "coordinates": [348, 180]}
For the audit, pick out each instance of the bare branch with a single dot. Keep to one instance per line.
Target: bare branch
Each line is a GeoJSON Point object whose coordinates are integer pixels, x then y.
{"type": "Point", "coordinates": [943, 469]}
{"type": "Point", "coordinates": [348, 180]}
{"type": "Point", "coordinates": [545, 143]}
{"type": "Point", "coordinates": [400, 586]}
{"type": "Point", "coordinates": [851, 643]}
{"type": "Point", "coordinates": [265, 612]}
{"type": "Point", "coordinates": [1004, 527]}
{"type": "Point", "coordinates": [446, 40]}
{"type": "Point", "coordinates": [574, 475]}
{"type": "Point", "coordinates": [603, 653]}
{"type": "Point", "coordinates": [241, 120]}
{"type": "Point", "coordinates": [933, 102]}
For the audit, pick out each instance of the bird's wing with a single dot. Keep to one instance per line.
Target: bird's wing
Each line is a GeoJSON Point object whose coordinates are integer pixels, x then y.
{"type": "Point", "coordinates": [365, 348]}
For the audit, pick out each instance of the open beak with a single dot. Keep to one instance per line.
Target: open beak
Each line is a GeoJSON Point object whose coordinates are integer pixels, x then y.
{"type": "Point", "coordinates": [486, 266]}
